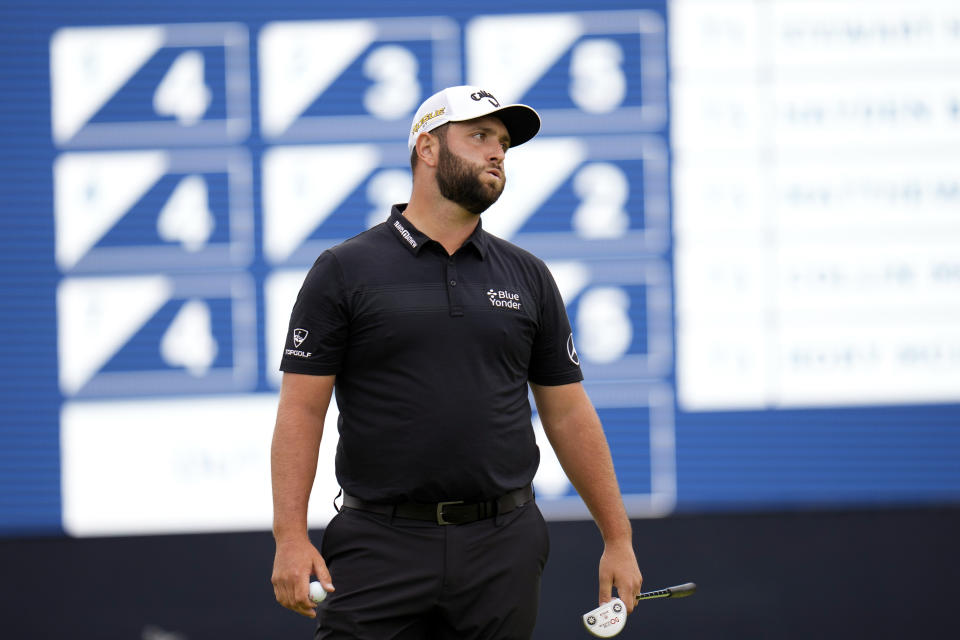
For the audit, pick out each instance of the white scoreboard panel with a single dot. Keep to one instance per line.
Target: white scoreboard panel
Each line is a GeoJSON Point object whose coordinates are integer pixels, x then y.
{"type": "Point", "coordinates": [143, 85]}
{"type": "Point", "coordinates": [816, 174]}
{"type": "Point", "coordinates": [750, 207]}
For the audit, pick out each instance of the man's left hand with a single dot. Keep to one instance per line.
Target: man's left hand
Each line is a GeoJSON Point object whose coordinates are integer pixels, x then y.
{"type": "Point", "coordinates": [618, 568]}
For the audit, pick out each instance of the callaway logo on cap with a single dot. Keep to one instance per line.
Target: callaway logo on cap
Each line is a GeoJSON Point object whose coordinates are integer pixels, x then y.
{"type": "Point", "coordinates": [465, 102]}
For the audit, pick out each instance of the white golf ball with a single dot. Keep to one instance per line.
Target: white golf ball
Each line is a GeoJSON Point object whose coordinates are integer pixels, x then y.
{"type": "Point", "coordinates": [317, 594]}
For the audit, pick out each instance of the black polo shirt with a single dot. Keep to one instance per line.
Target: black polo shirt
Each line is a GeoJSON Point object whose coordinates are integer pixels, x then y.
{"type": "Point", "coordinates": [432, 355]}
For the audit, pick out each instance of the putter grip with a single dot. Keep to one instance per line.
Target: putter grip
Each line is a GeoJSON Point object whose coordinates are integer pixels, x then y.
{"type": "Point", "coordinates": [679, 591]}
{"type": "Point", "coordinates": [682, 590]}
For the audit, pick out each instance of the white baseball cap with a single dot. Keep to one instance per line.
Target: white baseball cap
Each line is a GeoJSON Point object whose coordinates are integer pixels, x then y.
{"type": "Point", "coordinates": [456, 104]}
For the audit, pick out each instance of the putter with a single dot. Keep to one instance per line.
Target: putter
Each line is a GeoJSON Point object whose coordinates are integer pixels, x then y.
{"type": "Point", "coordinates": [608, 619]}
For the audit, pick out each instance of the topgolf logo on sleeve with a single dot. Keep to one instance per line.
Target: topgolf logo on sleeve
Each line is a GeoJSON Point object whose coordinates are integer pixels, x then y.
{"type": "Point", "coordinates": [299, 335]}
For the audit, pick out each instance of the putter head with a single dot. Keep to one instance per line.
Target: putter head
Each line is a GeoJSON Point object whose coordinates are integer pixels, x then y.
{"type": "Point", "coordinates": [607, 620]}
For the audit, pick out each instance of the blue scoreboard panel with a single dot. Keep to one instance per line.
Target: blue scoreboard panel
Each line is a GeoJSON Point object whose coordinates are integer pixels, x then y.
{"type": "Point", "coordinates": [750, 208]}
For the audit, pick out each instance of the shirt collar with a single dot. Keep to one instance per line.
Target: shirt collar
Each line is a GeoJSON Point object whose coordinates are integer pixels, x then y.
{"type": "Point", "coordinates": [409, 235]}
{"type": "Point", "coordinates": [414, 239]}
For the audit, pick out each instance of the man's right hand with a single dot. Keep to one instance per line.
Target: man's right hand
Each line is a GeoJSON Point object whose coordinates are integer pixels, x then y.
{"type": "Point", "coordinates": [294, 563]}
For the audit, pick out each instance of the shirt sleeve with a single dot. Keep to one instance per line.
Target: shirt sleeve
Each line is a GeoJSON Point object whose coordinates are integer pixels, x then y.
{"type": "Point", "coordinates": [318, 330]}
{"type": "Point", "coordinates": [554, 359]}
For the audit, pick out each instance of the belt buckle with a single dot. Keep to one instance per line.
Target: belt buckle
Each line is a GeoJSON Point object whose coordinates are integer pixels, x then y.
{"type": "Point", "coordinates": [440, 506]}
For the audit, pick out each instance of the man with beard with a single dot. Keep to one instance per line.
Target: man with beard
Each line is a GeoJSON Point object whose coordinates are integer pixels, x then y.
{"type": "Point", "coordinates": [430, 331]}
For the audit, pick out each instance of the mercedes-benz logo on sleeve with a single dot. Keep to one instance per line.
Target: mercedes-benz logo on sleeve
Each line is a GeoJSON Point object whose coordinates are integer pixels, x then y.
{"type": "Point", "coordinates": [572, 351]}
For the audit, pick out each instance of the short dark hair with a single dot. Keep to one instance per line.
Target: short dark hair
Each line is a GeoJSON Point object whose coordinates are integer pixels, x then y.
{"type": "Point", "coordinates": [440, 132]}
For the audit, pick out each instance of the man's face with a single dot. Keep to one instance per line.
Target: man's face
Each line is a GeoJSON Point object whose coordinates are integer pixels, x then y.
{"type": "Point", "coordinates": [475, 179]}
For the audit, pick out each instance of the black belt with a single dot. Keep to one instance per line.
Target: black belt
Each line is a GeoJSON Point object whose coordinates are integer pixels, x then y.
{"type": "Point", "coordinates": [447, 512]}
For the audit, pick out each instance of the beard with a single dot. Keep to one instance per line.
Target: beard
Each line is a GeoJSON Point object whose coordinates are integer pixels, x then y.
{"type": "Point", "coordinates": [459, 181]}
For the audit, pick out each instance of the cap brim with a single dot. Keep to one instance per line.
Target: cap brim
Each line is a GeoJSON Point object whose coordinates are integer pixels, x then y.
{"type": "Point", "coordinates": [521, 121]}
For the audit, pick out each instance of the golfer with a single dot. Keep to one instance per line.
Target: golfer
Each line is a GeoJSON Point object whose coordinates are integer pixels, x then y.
{"type": "Point", "coordinates": [431, 331]}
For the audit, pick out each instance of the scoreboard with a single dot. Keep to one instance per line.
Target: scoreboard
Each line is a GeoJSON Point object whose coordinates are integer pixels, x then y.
{"type": "Point", "coordinates": [752, 210]}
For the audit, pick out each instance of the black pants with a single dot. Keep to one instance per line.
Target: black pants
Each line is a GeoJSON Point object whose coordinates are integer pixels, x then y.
{"type": "Point", "coordinates": [399, 579]}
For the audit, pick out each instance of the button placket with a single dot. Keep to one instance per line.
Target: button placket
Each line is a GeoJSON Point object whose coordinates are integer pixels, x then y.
{"type": "Point", "coordinates": [453, 296]}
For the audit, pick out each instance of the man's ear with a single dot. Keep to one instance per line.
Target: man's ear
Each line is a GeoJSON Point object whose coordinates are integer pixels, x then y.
{"type": "Point", "coordinates": [428, 149]}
